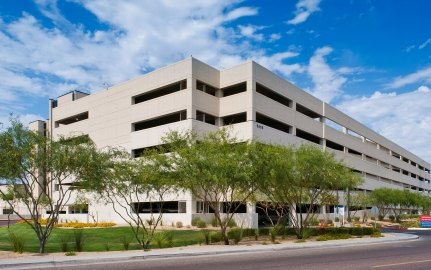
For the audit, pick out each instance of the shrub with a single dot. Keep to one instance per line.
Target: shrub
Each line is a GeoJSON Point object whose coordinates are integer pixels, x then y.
{"type": "Point", "coordinates": [17, 242]}
{"type": "Point", "coordinates": [329, 222]}
{"type": "Point", "coordinates": [70, 253]}
{"type": "Point", "coordinates": [337, 219]}
{"type": "Point", "coordinates": [216, 237]}
{"type": "Point", "coordinates": [392, 218]}
{"type": "Point", "coordinates": [126, 242]}
{"type": "Point", "coordinates": [330, 236]}
{"type": "Point", "coordinates": [373, 218]}
{"type": "Point", "coordinates": [179, 224]}
{"type": "Point", "coordinates": [256, 234]}
{"type": "Point", "coordinates": [195, 221]}
{"type": "Point", "coordinates": [207, 236]}
{"type": "Point", "coordinates": [214, 222]}
{"type": "Point", "coordinates": [380, 217]}
{"type": "Point", "coordinates": [79, 239]}
{"type": "Point", "coordinates": [159, 238]}
{"type": "Point", "coordinates": [358, 231]}
{"type": "Point", "coordinates": [201, 224]}
{"type": "Point", "coordinates": [198, 222]}
{"type": "Point", "coordinates": [230, 223]}
{"type": "Point", "coordinates": [64, 244]}
{"type": "Point", "coordinates": [107, 246]}
{"type": "Point", "coordinates": [313, 222]}
{"type": "Point", "coordinates": [264, 231]}
{"type": "Point", "coordinates": [169, 236]}
{"type": "Point", "coordinates": [356, 219]}
{"type": "Point", "coordinates": [367, 230]}
{"type": "Point", "coordinates": [273, 235]}
{"type": "Point", "coordinates": [235, 235]}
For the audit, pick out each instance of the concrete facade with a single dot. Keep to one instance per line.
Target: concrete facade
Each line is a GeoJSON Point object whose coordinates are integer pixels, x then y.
{"type": "Point", "coordinates": [191, 95]}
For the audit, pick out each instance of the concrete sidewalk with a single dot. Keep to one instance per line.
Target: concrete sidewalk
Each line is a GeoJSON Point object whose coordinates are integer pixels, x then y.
{"type": "Point", "coordinates": [59, 259]}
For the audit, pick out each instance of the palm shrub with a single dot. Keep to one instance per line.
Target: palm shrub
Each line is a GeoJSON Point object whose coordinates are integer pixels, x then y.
{"type": "Point", "coordinates": [79, 239]}
{"type": "Point", "coordinates": [17, 242]}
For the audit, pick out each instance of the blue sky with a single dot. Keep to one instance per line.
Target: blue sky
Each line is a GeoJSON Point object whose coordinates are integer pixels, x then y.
{"type": "Point", "coordinates": [371, 59]}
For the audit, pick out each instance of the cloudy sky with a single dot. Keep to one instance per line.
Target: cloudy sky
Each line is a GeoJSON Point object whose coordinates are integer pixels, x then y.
{"type": "Point", "coordinates": [369, 58]}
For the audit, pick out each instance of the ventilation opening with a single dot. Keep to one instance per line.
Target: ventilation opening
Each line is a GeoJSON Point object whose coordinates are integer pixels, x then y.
{"type": "Point", "coordinates": [307, 112]}
{"type": "Point", "coordinates": [273, 95]}
{"type": "Point", "coordinates": [159, 121]}
{"type": "Point", "coordinates": [307, 136]}
{"type": "Point", "coordinates": [334, 145]}
{"type": "Point", "coordinates": [206, 88]}
{"type": "Point", "coordinates": [72, 119]}
{"type": "Point", "coordinates": [205, 117]}
{"type": "Point", "coordinates": [234, 118]}
{"type": "Point", "coordinates": [165, 90]}
{"type": "Point", "coordinates": [172, 207]}
{"type": "Point", "coordinates": [270, 122]}
{"type": "Point", "coordinates": [355, 153]}
{"type": "Point", "coordinates": [161, 148]}
{"type": "Point", "coordinates": [234, 89]}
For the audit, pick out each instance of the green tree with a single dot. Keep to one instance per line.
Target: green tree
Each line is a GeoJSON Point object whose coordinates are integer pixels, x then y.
{"type": "Point", "coordinates": [360, 201]}
{"type": "Point", "coordinates": [126, 183]}
{"type": "Point", "coordinates": [304, 178]}
{"type": "Point", "coordinates": [41, 174]}
{"type": "Point", "coordinates": [218, 170]}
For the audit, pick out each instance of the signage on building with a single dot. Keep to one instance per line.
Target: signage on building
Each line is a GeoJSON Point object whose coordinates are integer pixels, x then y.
{"type": "Point", "coordinates": [425, 221]}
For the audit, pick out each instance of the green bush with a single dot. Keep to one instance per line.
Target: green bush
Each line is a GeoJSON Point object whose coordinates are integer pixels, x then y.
{"type": "Point", "coordinates": [264, 231]}
{"type": "Point", "coordinates": [79, 238]}
{"type": "Point", "coordinates": [356, 219]}
{"type": "Point", "coordinates": [392, 218]}
{"type": "Point", "coordinates": [17, 242]}
{"type": "Point", "coordinates": [381, 217]}
{"type": "Point", "coordinates": [368, 230]}
{"type": "Point", "coordinates": [256, 234]}
{"type": "Point", "coordinates": [357, 231]}
{"type": "Point", "coordinates": [330, 236]}
{"type": "Point", "coordinates": [159, 239]}
{"type": "Point", "coordinates": [214, 222]}
{"type": "Point", "coordinates": [195, 221]}
{"type": "Point", "coordinates": [206, 236]}
{"type": "Point", "coordinates": [273, 235]}
{"type": "Point", "coordinates": [230, 223]}
{"type": "Point", "coordinates": [235, 235]}
{"type": "Point", "coordinates": [216, 237]}
{"type": "Point", "coordinates": [313, 222]}
{"type": "Point", "coordinates": [329, 222]}
{"type": "Point", "coordinates": [64, 244]}
{"type": "Point", "coordinates": [126, 242]}
{"type": "Point", "coordinates": [201, 224]}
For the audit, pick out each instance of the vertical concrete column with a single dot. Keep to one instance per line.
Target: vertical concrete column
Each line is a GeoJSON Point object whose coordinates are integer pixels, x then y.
{"type": "Point", "coordinates": [191, 84]}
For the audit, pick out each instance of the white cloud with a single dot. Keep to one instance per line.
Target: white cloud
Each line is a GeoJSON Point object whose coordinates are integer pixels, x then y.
{"type": "Point", "coordinates": [426, 43]}
{"type": "Point", "coordinates": [422, 75]}
{"type": "Point", "coordinates": [249, 31]}
{"type": "Point", "coordinates": [403, 118]}
{"type": "Point", "coordinates": [45, 61]}
{"type": "Point", "coordinates": [327, 82]}
{"type": "Point", "coordinates": [304, 8]}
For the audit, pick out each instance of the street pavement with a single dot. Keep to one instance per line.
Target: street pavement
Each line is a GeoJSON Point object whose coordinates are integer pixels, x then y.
{"type": "Point", "coordinates": [32, 261]}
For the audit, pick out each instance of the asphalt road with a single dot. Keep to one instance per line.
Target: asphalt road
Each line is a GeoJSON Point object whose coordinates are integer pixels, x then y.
{"type": "Point", "coordinates": [396, 256]}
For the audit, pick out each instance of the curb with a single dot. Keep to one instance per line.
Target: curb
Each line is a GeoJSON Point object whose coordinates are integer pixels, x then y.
{"type": "Point", "coordinates": [62, 261]}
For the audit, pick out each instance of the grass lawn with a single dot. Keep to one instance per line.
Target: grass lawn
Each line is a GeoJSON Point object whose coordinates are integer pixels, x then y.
{"type": "Point", "coordinates": [95, 239]}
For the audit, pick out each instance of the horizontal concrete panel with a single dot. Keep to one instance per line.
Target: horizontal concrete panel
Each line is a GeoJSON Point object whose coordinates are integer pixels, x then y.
{"type": "Point", "coordinates": [237, 74]}
{"type": "Point", "coordinates": [153, 136]}
{"type": "Point", "coordinates": [206, 103]}
{"type": "Point", "coordinates": [234, 104]}
{"type": "Point", "coordinates": [273, 109]}
{"type": "Point", "coordinates": [309, 125]}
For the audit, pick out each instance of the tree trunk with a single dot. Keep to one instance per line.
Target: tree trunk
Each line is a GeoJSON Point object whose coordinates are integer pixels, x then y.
{"type": "Point", "coordinates": [225, 238]}
{"type": "Point", "coordinates": [42, 243]}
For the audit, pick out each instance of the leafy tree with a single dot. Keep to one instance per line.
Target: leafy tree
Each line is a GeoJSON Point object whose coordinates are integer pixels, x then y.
{"type": "Point", "coordinates": [128, 182]}
{"type": "Point", "coordinates": [360, 200]}
{"type": "Point", "coordinates": [32, 165]}
{"type": "Point", "coordinates": [305, 177]}
{"type": "Point", "coordinates": [218, 170]}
